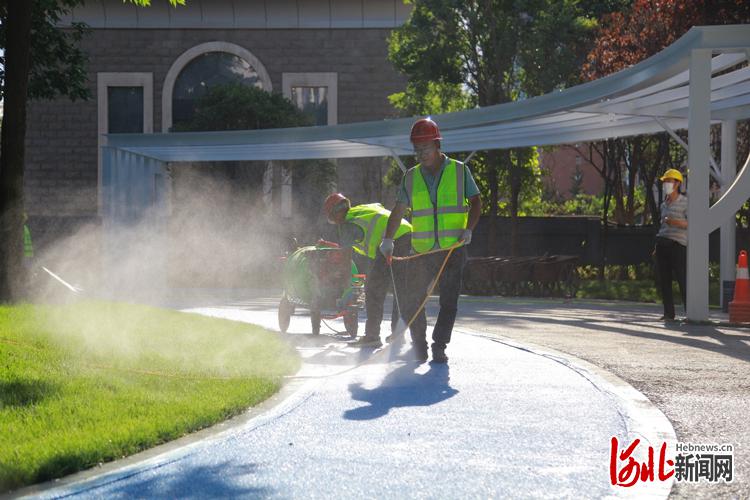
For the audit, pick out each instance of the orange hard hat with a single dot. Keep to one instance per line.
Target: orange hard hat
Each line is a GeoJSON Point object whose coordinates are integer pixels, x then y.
{"type": "Point", "coordinates": [332, 202]}
{"type": "Point", "coordinates": [424, 130]}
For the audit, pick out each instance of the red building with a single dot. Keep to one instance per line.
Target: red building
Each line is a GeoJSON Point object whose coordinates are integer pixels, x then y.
{"type": "Point", "coordinates": [567, 170]}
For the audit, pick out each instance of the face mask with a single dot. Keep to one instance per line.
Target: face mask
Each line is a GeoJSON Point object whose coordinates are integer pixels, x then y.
{"type": "Point", "coordinates": [668, 188]}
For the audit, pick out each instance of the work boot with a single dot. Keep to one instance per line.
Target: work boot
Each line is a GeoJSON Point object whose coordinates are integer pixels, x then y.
{"type": "Point", "coordinates": [438, 354]}
{"type": "Point", "coordinates": [419, 352]}
{"type": "Point", "coordinates": [367, 341]}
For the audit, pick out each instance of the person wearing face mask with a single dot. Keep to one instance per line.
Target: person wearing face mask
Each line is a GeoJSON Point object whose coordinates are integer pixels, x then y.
{"type": "Point", "coordinates": [361, 228]}
{"type": "Point", "coordinates": [671, 241]}
{"type": "Point", "coordinates": [445, 204]}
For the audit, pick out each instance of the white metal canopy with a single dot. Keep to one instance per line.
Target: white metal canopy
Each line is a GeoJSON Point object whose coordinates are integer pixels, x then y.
{"type": "Point", "coordinates": [702, 78]}
{"type": "Point", "coordinates": [623, 104]}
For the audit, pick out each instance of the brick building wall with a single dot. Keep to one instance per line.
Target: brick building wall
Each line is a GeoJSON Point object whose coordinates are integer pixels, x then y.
{"type": "Point", "coordinates": [61, 172]}
{"type": "Point", "coordinates": [559, 166]}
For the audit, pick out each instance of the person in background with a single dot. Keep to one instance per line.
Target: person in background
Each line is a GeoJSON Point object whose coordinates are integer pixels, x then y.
{"type": "Point", "coordinates": [361, 228]}
{"type": "Point", "coordinates": [671, 241]}
{"type": "Point", "coordinates": [28, 245]}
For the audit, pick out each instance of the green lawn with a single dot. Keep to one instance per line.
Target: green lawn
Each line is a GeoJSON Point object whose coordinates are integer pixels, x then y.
{"type": "Point", "coordinates": [92, 382]}
{"type": "Point", "coordinates": [636, 290]}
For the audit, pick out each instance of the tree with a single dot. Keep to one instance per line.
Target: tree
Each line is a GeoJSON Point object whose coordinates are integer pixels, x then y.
{"type": "Point", "coordinates": [241, 107]}
{"type": "Point", "coordinates": [40, 61]}
{"type": "Point", "coordinates": [626, 38]}
{"type": "Point", "coordinates": [576, 181]}
{"type": "Point", "coordinates": [57, 65]}
{"type": "Point", "coordinates": [489, 52]}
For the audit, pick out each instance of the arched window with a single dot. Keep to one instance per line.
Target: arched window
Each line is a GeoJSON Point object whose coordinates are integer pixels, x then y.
{"type": "Point", "coordinates": [202, 67]}
{"type": "Point", "coordinates": [202, 73]}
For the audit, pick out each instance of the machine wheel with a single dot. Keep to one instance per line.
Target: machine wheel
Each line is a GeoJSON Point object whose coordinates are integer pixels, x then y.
{"type": "Point", "coordinates": [315, 321]}
{"type": "Point", "coordinates": [351, 323]}
{"type": "Point", "coordinates": [286, 309]}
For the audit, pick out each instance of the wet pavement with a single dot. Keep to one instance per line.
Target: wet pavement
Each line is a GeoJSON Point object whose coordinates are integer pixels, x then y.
{"type": "Point", "coordinates": [697, 374]}
{"type": "Point", "coordinates": [502, 419]}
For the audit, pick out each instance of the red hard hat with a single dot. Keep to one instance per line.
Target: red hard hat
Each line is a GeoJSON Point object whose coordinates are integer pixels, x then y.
{"type": "Point", "coordinates": [332, 202]}
{"type": "Point", "coordinates": [424, 130]}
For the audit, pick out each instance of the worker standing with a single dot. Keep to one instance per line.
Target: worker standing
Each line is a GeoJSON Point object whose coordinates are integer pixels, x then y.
{"type": "Point", "coordinates": [361, 228]}
{"type": "Point", "coordinates": [445, 204]}
{"type": "Point", "coordinates": [671, 241]}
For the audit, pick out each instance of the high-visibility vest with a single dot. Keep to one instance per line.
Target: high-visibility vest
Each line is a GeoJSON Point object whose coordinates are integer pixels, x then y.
{"type": "Point", "coordinates": [28, 247]}
{"type": "Point", "coordinates": [372, 218]}
{"type": "Point", "coordinates": [446, 222]}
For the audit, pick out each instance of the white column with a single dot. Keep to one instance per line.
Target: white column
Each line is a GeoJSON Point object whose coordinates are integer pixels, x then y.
{"type": "Point", "coordinates": [286, 192]}
{"type": "Point", "coordinates": [698, 158]}
{"type": "Point", "coordinates": [728, 226]}
{"type": "Point", "coordinates": [268, 187]}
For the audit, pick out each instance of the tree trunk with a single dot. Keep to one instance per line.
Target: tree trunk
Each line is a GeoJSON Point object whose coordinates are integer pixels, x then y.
{"type": "Point", "coordinates": [607, 169]}
{"type": "Point", "coordinates": [618, 191]}
{"type": "Point", "coordinates": [515, 192]}
{"type": "Point", "coordinates": [12, 143]}
{"type": "Point", "coordinates": [493, 166]}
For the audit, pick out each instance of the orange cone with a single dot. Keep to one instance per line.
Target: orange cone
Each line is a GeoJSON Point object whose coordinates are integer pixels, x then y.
{"type": "Point", "coordinates": [739, 308]}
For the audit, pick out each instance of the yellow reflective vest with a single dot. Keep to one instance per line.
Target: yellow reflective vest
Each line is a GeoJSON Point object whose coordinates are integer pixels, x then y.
{"type": "Point", "coordinates": [373, 218]}
{"type": "Point", "coordinates": [446, 222]}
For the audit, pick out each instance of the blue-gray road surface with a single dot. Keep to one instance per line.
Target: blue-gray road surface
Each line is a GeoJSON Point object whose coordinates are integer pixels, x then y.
{"type": "Point", "coordinates": [497, 421]}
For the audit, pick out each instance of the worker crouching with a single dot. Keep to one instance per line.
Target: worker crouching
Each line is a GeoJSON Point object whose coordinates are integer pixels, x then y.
{"type": "Point", "coordinates": [361, 228]}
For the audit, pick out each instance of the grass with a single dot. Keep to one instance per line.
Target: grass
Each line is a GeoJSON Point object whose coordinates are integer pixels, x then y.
{"type": "Point", "coordinates": [635, 290]}
{"type": "Point", "coordinates": [91, 382]}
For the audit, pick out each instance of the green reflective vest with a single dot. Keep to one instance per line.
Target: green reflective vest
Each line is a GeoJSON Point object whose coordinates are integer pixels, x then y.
{"type": "Point", "coordinates": [28, 247]}
{"type": "Point", "coordinates": [446, 222]}
{"type": "Point", "coordinates": [372, 218]}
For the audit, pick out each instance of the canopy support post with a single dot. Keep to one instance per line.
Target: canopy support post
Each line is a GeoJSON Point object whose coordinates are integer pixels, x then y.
{"type": "Point", "coordinates": [727, 255]}
{"type": "Point", "coordinates": [468, 158]}
{"type": "Point", "coordinates": [715, 171]}
{"type": "Point", "coordinates": [398, 160]}
{"type": "Point", "coordinates": [699, 122]}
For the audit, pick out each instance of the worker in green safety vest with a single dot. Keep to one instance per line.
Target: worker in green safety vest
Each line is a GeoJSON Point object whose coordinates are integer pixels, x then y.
{"type": "Point", "coordinates": [445, 204]}
{"type": "Point", "coordinates": [361, 228]}
{"type": "Point", "coordinates": [28, 245]}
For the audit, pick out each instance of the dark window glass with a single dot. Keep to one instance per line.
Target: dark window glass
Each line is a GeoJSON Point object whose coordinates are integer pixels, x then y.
{"type": "Point", "coordinates": [203, 72]}
{"type": "Point", "coordinates": [313, 101]}
{"type": "Point", "coordinates": [125, 110]}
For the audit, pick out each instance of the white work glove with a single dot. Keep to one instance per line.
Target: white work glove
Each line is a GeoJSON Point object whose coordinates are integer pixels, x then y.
{"type": "Point", "coordinates": [386, 248]}
{"type": "Point", "coordinates": [466, 236]}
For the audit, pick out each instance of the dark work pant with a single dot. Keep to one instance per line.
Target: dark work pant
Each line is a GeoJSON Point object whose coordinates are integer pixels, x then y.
{"type": "Point", "coordinates": [422, 271]}
{"type": "Point", "coordinates": [379, 281]}
{"type": "Point", "coordinates": [671, 263]}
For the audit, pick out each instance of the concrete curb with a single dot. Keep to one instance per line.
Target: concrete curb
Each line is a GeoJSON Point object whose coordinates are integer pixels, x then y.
{"type": "Point", "coordinates": [292, 394]}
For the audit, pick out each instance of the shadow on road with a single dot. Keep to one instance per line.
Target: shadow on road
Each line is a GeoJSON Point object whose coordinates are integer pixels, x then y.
{"type": "Point", "coordinates": [633, 320]}
{"type": "Point", "coordinates": [402, 387]}
{"type": "Point", "coordinates": [205, 481]}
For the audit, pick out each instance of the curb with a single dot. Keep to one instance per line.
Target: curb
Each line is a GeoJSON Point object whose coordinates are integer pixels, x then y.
{"type": "Point", "coordinates": [291, 395]}
{"type": "Point", "coordinates": [642, 418]}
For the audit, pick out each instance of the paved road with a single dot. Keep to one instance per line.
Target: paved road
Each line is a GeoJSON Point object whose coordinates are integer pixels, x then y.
{"type": "Point", "coordinates": [498, 421]}
{"type": "Point", "coordinates": [698, 375]}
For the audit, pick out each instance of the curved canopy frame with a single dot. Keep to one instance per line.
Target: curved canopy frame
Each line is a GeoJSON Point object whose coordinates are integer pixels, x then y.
{"type": "Point", "coordinates": [702, 78]}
